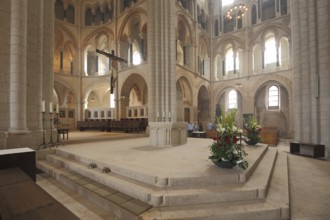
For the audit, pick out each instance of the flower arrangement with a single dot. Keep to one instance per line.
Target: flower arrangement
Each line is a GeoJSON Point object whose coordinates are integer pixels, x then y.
{"type": "Point", "coordinates": [252, 125]}
{"type": "Point", "coordinates": [226, 147]}
{"type": "Point", "coordinates": [252, 131]}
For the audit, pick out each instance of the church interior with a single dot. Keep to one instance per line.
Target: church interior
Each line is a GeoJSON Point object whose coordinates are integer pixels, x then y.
{"type": "Point", "coordinates": [126, 77]}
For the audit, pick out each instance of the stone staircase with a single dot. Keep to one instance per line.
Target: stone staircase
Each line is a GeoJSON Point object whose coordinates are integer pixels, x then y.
{"type": "Point", "coordinates": [260, 192]}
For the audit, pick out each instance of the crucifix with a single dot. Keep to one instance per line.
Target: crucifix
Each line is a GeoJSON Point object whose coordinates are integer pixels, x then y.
{"type": "Point", "coordinates": [114, 66]}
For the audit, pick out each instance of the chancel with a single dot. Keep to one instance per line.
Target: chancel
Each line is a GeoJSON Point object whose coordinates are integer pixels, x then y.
{"type": "Point", "coordinates": [122, 80]}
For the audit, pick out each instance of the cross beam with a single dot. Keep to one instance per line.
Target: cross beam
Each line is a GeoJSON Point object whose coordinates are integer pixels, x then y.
{"type": "Point", "coordinates": [111, 56]}
{"type": "Point", "coordinates": [114, 63]}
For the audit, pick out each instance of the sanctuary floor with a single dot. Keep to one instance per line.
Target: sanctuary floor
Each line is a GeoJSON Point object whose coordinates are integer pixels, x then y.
{"type": "Point", "coordinates": [309, 179]}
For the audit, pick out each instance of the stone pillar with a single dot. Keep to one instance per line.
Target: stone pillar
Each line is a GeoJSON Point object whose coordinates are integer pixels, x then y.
{"type": "Point", "coordinates": [311, 57]}
{"type": "Point", "coordinates": [17, 94]}
{"type": "Point", "coordinates": [164, 128]}
{"type": "Point", "coordinates": [48, 61]}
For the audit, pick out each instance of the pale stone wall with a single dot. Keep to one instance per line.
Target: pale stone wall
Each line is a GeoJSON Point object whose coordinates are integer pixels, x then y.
{"type": "Point", "coordinates": [310, 38]}
{"type": "Point", "coordinates": [4, 67]}
{"type": "Point", "coordinates": [26, 48]}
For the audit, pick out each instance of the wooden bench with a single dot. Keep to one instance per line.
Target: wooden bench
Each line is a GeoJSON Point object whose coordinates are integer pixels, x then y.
{"type": "Point", "coordinates": [211, 133]}
{"type": "Point", "coordinates": [269, 135]}
{"type": "Point", "coordinates": [128, 125]}
{"type": "Point", "coordinates": [307, 149]}
{"type": "Point", "coordinates": [92, 124]}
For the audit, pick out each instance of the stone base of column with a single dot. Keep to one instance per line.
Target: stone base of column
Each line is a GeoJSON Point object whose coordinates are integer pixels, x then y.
{"type": "Point", "coordinates": [18, 131]}
{"type": "Point", "coordinates": [167, 134]}
{"type": "Point", "coordinates": [16, 139]}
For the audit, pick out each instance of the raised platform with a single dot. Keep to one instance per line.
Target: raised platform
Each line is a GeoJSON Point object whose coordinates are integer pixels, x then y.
{"type": "Point", "coordinates": [176, 178]}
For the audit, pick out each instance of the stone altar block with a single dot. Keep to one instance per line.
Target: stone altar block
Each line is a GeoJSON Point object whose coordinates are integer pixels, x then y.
{"type": "Point", "coordinates": [24, 158]}
{"type": "Point", "coordinates": [167, 134]}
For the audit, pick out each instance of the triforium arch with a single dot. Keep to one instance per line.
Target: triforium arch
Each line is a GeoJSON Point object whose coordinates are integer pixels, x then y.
{"type": "Point", "coordinates": [65, 47]}
{"type": "Point", "coordinates": [62, 90]}
{"type": "Point", "coordinates": [233, 48]}
{"type": "Point", "coordinates": [278, 117]}
{"type": "Point", "coordinates": [184, 100]}
{"type": "Point", "coordinates": [132, 94]}
{"type": "Point", "coordinates": [204, 55]}
{"type": "Point", "coordinates": [203, 107]}
{"type": "Point", "coordinates": [222, 99]}
{"type": "Point", "coordinates": [132, 35]}
{"type": "Point", "coordinates": [66, 98]}
{"type": "Point", "coordinates": [185, 45]}
{"type": "Point", "coordinates": [94, 63]}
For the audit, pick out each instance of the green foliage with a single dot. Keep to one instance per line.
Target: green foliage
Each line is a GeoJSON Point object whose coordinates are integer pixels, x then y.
{"type": "Point", "coordinates": [227, 146]}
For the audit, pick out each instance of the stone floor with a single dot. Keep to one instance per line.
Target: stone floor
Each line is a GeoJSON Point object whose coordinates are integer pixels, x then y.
{"type": "Point", "coordinates": [309, 186]}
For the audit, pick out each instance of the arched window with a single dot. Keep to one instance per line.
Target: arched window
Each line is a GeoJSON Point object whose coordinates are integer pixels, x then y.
{"type": "Point", "coordinates": [70, 14]}
{"type": "Point", "coordinates": [232, 99]}
{"type": "Point", "coordinates": [229, 60]}
{"type": "Point", "coordinates": [227, 2]}
{"type": "Point", "coordinates": [254, 15]}
{"type": "Point", "coordinates": [238, 64]}
{"type": "Point", "coordinates": [273, 97]}
{"type": "Point", "coordinates": [89, 17]}
{"type": "Point", "coordinates": [112, 101]}
{"type": "Point", "coordinates": [284, 7]}
{"type": "Point", "coordinates": [90, 61]}
{"type": "Point", "coordinates": [59, 9]}
{"type": "Point", "coordinates": [232, 61]}
{"type": "Point", "coordinates": [136, 58]}
{"type": "Point", "coordinates": [179, 54]}
{"type": "Point", "coordinates": [107, 14]}
{"type": "Point", "coordinates": [284, 53]}
{"type": "Point", "coordinates": [136, 55]}
{"type": "Point", "coordinates": [268, 9]}
{"type": "Point", "coordinates": [216, 28]}
{"type": "Point", "coordinates": [270, 51]}
{"type": "Point", "coordinates": [98, 16]}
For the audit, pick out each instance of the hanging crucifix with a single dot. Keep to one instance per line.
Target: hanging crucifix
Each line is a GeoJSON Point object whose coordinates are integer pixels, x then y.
{"type": "Point", "coordinates": [114, 66]}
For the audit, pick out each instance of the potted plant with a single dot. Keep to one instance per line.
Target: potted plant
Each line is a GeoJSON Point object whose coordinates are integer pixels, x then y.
{"type": "Point", "coordinates": [227, 150]}
{"type": "Point", "coordinates": [252, 131]}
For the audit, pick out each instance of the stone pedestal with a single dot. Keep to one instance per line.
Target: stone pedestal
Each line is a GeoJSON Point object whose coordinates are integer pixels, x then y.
{"type": "Point", "coordinates": [167, 134]}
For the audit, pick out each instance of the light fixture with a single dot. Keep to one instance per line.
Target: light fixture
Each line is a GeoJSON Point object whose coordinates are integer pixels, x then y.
{"type": "Point", "coordinates": [237, 11]}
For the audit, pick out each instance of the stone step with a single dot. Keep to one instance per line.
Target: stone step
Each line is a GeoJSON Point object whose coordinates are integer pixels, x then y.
{"type": "Point", "coordinates": [123, 184]}
{"type": "Point", "coordinates": [254, 189]}
{"type": "Point", "coordinates": [278, 193]}
{"type": "Point", "coordinates": [118, 203]}
{"type": "Point", "coordinates": [274, 207]}
{"type": "Point", "coordinates": [78, 204]}
{"type": "Point", "coordinates": [252, 210]}
{"type": "Point", "coordinates": [212, 177]}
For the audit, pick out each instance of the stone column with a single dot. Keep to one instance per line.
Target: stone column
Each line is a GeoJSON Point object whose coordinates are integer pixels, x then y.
{"type": "Point", "coordinates": [18, 39]}
{"type": "Point", "coordinates": [164, 128]}
{"type": "Point", "coordinates": [48, 61]}
{"type": "Point", "coordinates": [311, 57]}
